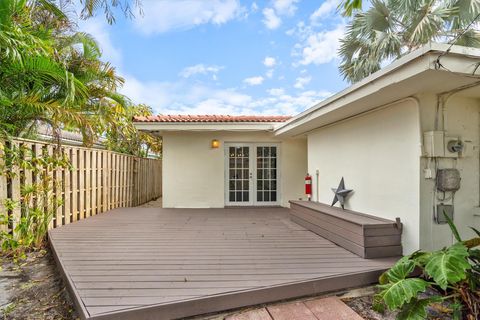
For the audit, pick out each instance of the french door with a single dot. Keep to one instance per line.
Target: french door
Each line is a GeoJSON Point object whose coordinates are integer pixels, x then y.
{"type": "Point", "coordinates": [251, 176]}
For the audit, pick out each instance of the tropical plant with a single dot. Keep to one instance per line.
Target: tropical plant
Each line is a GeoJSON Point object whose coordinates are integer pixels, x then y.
{"type": "Point", "coordinates": [51, 74]}
{"type": "Point", "coordinates": [36, 83]}
{"type": "Point", "coordinates": [122, 136]}
{"type": "Point", "coordinates": [392, 28]}
{"type": "Point", "coordinates": [452, 274]}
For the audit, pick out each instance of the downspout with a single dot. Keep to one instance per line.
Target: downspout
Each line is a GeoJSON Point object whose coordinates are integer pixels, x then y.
{"type": "Point", "coordinates": [442, 99]}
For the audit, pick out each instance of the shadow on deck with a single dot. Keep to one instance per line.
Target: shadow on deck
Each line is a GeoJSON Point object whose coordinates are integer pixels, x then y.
{"type": "Point", "coordinates": [153, 263]}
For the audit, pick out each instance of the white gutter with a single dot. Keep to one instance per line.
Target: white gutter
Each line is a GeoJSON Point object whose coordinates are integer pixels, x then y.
{"type": "Point", "coordinates": [205, 126]}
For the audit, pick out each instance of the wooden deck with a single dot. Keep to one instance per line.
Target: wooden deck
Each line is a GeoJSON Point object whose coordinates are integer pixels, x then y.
{"type": "Point", "coordinates": [153, 263]}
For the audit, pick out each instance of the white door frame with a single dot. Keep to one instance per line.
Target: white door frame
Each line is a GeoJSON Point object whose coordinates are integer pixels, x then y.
{"type": "Point", "coordinates": [252, 173]}
{"type": "Point", "coordinates": [227, 174]}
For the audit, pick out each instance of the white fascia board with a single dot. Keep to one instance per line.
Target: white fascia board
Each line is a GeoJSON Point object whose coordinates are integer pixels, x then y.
{"type": "Point", "coordinates": [378, 79]}
{"type": "Point", "coordinates": [204, 126]}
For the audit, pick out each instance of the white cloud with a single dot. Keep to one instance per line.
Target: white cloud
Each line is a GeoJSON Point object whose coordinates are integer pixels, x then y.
{"type": "Point", "coordinates": [269, 73]}
{"type": "Point", "coordinates": [279, 8]}
{"type": "Point", "coordinates": [276, 91]}
{"type": "Point", "coordinates": [301, 82]}
{"type": "Point", "coordinates": [254, 7]}
{"type": "Point", "coordinates": [254, 81]}
{"type": "Point", "coordinates": [280, 104]}
{"type": "Point", "coordinates": [327, 7]}
{"type": "Point", "coordinates": [164, 15]}
{"type": "Point", "coordinates": [285, 7]}
{"type": "Point", "coordinates": [269, 61]}
{"type": "Point", "coordinates": [287, 104]}
{"type": "Point", "coordinates": [186, 98]}
{"type": "Point", "coordinates": [322, 47]}
{"type": "Point", "coordinates": [98, 28]}
{"type": "Point", "coordinates": [271, 20]}
{"type": "Point", "coordinates": [171, 97]}
{"type": "Point", "coordinates": [200, 69]}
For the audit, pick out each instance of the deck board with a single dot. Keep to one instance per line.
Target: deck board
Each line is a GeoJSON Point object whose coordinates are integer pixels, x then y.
{"type": "Point", "coordinates": [136, 263]}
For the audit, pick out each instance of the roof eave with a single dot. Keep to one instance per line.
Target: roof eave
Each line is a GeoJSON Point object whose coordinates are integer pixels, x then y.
{"type": "Point", "coordinates": [161, 127]}
{"type": "Point", "coordinates": [361, 89]}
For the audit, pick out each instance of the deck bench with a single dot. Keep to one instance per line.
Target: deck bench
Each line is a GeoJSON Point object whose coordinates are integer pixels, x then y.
{"type": "Point", "coordinates": [365, 235]}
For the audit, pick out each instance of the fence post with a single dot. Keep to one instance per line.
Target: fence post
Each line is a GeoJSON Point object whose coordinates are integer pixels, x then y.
{"type": "Point", "coordinates": [15, 193]}
{"type": "Point", "coordinates": [135, 200]}
{"type": "Point", "coordinates": [3, 186]}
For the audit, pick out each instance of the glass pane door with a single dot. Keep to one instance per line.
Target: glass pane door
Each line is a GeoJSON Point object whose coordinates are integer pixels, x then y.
{"type": "Point", "coordinates": [266, 177]}
{"type": "Point", "coordinates": [239, 185]}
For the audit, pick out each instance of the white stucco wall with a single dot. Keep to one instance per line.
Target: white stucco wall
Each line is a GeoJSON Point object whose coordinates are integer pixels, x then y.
{"type": "Point", "coordinates": [378, 154]}
{"type": "Point", "coordinates": [462, 119]}
{"type": "Point", "coordinates": [193, 172]}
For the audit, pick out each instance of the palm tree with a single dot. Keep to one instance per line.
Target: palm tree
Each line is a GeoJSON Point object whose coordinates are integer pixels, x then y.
{"type": "Point", "coordinates": [52, 74]}
{"type": "Point", "coordinates": [49, 73]}
{"type": "Point", "coordinates": [392, 28]}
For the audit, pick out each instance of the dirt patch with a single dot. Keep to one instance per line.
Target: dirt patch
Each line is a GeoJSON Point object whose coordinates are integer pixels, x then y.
{"type": "Point", "coordinates": [363, 306]}
{"type": "Point", "coordinates": [152, 204]}
{"type": "Point", "coordinates": [33, 289]}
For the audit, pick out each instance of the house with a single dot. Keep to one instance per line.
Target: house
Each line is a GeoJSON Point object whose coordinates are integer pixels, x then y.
{"type": "Point", "coordinates": [405, 139]}
{"type": "Point", "coordinates": [47, 134]}
{"type": "Point", "coordinates": [218, 161]}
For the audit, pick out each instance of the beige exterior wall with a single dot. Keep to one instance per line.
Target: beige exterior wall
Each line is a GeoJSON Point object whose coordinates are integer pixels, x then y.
{"type": "Point", "coordinates": [378, 154]}
{"type": "Point", "coordinates": [462, 119]}
{"type": "Point", "coordinates": [194, 173]}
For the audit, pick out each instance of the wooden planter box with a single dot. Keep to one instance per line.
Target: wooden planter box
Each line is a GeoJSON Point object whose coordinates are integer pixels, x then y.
{"type": "Point", "coordinates": [365, 235]}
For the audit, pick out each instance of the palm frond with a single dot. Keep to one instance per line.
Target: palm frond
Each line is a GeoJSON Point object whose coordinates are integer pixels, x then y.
{"type": "Point", "coordinates": [470, 38]}
{"type": "Point", "coordinates": [428, 23]}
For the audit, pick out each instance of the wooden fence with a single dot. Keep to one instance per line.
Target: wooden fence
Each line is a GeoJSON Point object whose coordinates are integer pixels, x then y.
{"type": "Point", "coordinates": [98, 180]}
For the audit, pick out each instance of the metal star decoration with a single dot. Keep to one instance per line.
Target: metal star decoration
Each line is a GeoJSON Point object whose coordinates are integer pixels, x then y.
{"type": "Point", "coordinates": [340, 194]}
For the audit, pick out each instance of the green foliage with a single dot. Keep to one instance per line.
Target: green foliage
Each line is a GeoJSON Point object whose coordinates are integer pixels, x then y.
{"type": "Point", "coordinates": [122, 136]}
{"type": "Point", "coordinates": [452, 273]}
{"type": "Point", "coordinates": [350, 6]}
{"type": "Point", "coordinates": [37, 206]}
{"type": "Point", "coordinates": [448, 266]}
{"type": "Point", "coordinates": [397, 289]}
{"type": "Point", "coordinates": [51, 75]}
{"type": "Point", "coordinates": [392, 28]}
{"type": "Point", "coordinates": [416, 309]}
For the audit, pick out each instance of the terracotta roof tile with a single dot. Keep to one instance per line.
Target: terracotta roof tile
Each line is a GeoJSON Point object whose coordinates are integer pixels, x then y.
{"type": "Point", "coordinates": [210, 118]}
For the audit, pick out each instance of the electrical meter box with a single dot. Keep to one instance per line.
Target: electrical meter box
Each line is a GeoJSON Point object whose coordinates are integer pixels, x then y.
{"type": "Point", "coordinates": [434, 144]}
{"type": "Point", "coordinates": [453, 147]}
{"type": "Point", "coordinates": [442, 211]}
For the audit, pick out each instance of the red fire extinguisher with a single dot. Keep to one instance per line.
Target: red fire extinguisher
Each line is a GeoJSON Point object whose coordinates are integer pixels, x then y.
{"type": "Point", "coordinates": [308, 186]}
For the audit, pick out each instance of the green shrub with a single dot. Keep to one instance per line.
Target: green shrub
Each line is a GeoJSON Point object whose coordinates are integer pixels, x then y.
{"type": "Point", "coordinates": [452, 274]}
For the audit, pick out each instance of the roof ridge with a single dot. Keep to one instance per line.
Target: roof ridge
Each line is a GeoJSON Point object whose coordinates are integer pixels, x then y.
{"type": "Point", "coordinates": [211, 118]}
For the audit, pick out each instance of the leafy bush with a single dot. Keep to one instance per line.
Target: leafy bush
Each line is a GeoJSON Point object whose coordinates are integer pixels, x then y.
{"type": "Point", "coordinates": [452, 274]}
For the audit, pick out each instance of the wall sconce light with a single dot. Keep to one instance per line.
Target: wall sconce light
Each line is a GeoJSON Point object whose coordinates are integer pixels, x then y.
{"type": "Point", "coordinates": [215, 144]}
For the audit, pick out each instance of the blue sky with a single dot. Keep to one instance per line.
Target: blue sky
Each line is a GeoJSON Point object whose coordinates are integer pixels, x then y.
{"type": "Point", "coordinates": [225, 56]}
